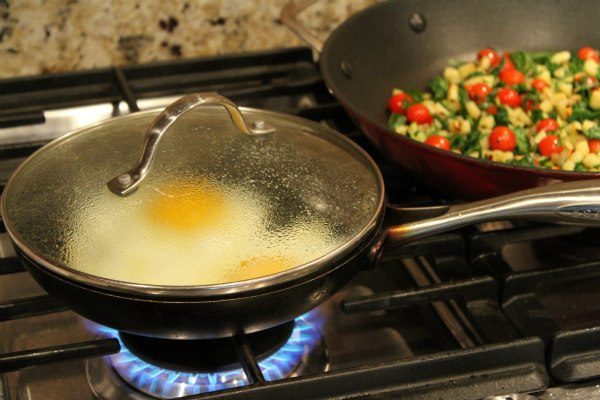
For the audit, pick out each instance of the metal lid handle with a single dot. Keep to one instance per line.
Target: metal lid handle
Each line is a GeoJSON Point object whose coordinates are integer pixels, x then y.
{"type": "Point", "coordinates": [127, 182]}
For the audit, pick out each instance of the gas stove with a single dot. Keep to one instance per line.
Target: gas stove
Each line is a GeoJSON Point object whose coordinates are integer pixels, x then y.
{"type": "Point", "coordinates": [501, 310]}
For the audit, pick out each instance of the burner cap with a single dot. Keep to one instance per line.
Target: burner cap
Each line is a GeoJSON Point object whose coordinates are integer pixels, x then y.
{"type": "Point", "coordinates": [204, 355]}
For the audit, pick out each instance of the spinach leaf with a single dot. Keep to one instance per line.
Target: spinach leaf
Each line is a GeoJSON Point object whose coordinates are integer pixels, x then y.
{"type": "Point", "coordinates": [474, 74]}
{"type": "Point", "coordinates": [396, 120]}
{"type": "Point", "coordinates": [501, 116]}
{"type": "Point", "coordinates": [522, 61]}
{"type": "Point", "coordinates": [552, 67]}
{"type": "Point", "coordinates": [579, 167]}
{"type": "Point", "coordinates": [463, 96]}
{"type": "Point", "coordinates": [575, 65]}
{"type": "Point", "coordinates": [439, 88]}
{"type": "Point", "coordinates": [472, 142]}
{"type": "Point", "coordinates": [541, 57]}
{"type": "Point", "coordinates": [592, 133]}
{"type": "Point", "coordinates": [443, 122]}
{"type": "Point", "coordinates": [520, 88]}
{"type": "Point", "coordinates": [522, 141]}
{"type": "Point", "coordinates": [581, 113]}
{"type": "Point", "coordinates": [533, 95]}
{"type": "Point", "coordinates": [526, 161]}
{"type": "Point", "coordinates": [518, 60]}
{"type": "Point", "coordinates": [467, 143]}
{"type": "Point", "coordinates": [536, 116]}
{"type": "Point", "coordinates": [458, 141]}
{"type": "Point", "coordinates": [415, 94]}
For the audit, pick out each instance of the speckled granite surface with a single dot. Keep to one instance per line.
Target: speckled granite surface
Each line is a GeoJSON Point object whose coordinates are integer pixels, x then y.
{"type": "Point", "coordinates": [41, 36]}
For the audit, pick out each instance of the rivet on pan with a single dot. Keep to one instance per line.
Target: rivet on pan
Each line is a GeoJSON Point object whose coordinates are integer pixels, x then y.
{"type": "Point", "coordinates": [346, 69]}
{"type": "Point", "coordinates": [260, 124]}
{"type": "Point", "coordinates": [124, 179]}
{"type": "Point", "coordinates": [417, 22]}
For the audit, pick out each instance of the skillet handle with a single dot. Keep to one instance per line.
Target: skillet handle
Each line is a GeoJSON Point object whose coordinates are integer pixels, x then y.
{"type": "Point", "coordinates": [288, 16]}
{"type": "Point", "coordinates": [126, 182]}
{"type": "Point", "coordinates": [572, 203]}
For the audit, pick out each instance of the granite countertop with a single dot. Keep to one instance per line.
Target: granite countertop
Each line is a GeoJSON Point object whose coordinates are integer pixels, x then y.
{"type": "Point", "coordinates": [39, 36]}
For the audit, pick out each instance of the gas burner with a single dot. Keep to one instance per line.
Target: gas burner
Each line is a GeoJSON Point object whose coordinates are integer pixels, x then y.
{"type": "Point", "coordinates": [152, 371]}
{"type": "Point", "coordinates": [204, 355]}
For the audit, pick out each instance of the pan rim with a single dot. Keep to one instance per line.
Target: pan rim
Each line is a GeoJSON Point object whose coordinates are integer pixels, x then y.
{"type": "Point", "coordinates": [319, 265]}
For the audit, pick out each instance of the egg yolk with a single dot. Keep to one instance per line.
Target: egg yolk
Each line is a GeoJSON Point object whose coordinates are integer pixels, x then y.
{"type": "Point", "coordinates": [255, 267]}
{"type": "Point", "coordinates": [187, 206]}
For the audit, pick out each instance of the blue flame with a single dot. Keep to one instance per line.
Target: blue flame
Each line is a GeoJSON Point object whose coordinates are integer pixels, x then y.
{"type": "Point", "coordinates": [169, 384]}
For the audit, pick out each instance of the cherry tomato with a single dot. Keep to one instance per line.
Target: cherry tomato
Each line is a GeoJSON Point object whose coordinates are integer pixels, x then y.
{"type": "Point", "coordinates": [508, 64]}
{"type": "Point", "coordinates": [418, 113]}
{"type": "Point", "coordinates": [587, 53]}
{"type": "Point", "coordinates": [511, 76]}
{"type": "Point", "coordinates": [594, 145]}
{"type": "Point", "coordinates": [438, 141]}
{"type": "Point", "coordinates": [509, 97]}
{"type": "Point", "coordinates": [479, 92]}
{"type": "Point", "coordinates": [491, 54]}
{"type": "Point", "coordinates": [548, 125]}
{"type": "Point", "coordinates": [502, 138]}
{"type": "Point", "coordinates": [549, 145]}
{"type": "Point", "coordinates": [493, 110]}
{"type": "Point", "coordinates": [396, 102]}
{"type": "Point", "coordinates": [539, 85]}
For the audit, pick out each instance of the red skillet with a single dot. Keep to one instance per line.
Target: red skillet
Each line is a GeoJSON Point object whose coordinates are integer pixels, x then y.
{"type": "Point", "coordinates": [406, 43]}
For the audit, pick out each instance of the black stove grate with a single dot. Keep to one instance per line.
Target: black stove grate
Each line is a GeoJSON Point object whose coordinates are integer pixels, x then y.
{"type": "Point", "coordinates": [517, 366]}
{"type": "Point", "coordinates": [514, 365]}
{"type": "Point", "coordinates": [275, 73]}
{"type": "Point", "coordinates": [485, 331]}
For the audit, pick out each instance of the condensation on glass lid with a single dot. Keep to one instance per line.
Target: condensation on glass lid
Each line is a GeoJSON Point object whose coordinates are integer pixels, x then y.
{"type": "Point", "coordinates": [216, 207]}
{"type": "Point", "coordinates": [195, 233]}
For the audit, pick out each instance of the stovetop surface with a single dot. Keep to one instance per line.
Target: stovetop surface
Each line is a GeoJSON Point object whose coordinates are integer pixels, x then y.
{"type": "Point", "coordinates": [487, 310]}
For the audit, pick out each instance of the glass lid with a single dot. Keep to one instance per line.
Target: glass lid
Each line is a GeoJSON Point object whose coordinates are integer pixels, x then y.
{"type": "Point", "coordinates": [210, 202]}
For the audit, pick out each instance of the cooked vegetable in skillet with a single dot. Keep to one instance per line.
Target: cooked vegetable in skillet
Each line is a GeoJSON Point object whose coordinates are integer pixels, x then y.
{"type": "Point", "coordinates": [531, 109]}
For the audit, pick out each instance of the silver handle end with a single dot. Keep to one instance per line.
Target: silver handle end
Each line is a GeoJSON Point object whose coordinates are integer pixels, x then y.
{"type": "Point", "coordinates": [123, 184]}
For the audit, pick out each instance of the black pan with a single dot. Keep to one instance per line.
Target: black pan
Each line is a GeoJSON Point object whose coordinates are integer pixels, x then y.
{"type": "Point", "coordinates": [44, 193]}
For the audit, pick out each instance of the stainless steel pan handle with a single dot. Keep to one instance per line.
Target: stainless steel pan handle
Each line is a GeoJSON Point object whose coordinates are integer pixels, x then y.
{"type": "Point", "coordinates": [289, 16]}
{"type": "Point", "coordinates": [574, 203]}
